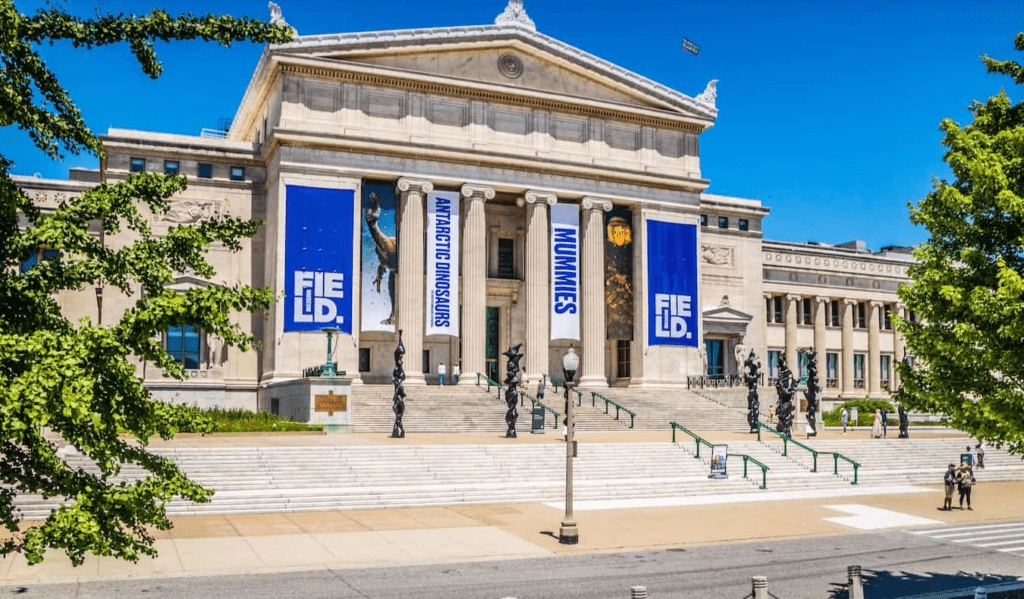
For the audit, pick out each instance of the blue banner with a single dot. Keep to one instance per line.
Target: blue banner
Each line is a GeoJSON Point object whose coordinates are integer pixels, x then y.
{"type": "Point", "coordinates": [318, 258]}
{"type": "Point", "coordinates": [672, 284]}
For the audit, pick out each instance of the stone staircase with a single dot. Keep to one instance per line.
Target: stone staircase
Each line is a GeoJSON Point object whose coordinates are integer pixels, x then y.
{"type": "Point", "coordinates": [461, 409]}
{"type": "Point", "coordinates": [656, 408]}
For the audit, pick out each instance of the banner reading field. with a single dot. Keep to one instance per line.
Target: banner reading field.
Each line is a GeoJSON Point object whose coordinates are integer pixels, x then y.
{"type": "Point", "coordinates": [380, 257]}
{"type": "Point", "coordinates": [565, 271]}
{"type": "Point", "coordinates": [318, 258]}
{"type": "Point", "coordinates": [443, 263]}
{"type": "Point", "coordinates": [672, 284]}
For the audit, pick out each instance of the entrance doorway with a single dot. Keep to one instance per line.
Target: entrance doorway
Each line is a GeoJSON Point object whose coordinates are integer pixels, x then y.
{"type": "Point", "coordinates": [491, 343]}
{"type": "Point", "coordinates": [715, 349]}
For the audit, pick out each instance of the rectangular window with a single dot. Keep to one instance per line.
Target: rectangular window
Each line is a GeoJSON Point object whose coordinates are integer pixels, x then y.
{"type": "Point", "coordinates": [183, 345]}
{"type": "Point", "coordinates": [506, 258]}
{"type": "Point", "coordinates": [33, 258]}
{"type": "Point", "coordinates": [426, 360]}
{"type": "Point", "coordinates": [716, 362]}
{"type": "Point", "coordinates": [773, 363]}
{"type": "Point", "coordinates": [862, 315]}
{"type": "Point", "coordinates": [622, 358]}
{"type": "Point", "coordinates": [238, 173]}
{"type": "Point", "coordinates": [884, 362]}
{"type": "Point", "coordinates": [777, 305]}
{"type": "Point", "coordinates": [887, 317]}
{"type": "Point", "coordinates": [138, 165]}
{"type": "Point", "coordinates": [807, 317]}
{"type": "Point", "coordinates": [205, 171]}
{"type": "Point", "coordinates": [723, 222]}
{"type": "Point", "coordinates": [364, 359]}
{"type": "Point", "coordinates": [801, 361]}
{"type": "Point", "coordinates": [833, 313]}
{"type": "Point", "coordinates": [703, 220]}
{"type": "Point", "coordinates": [170, 167]}
{"type": "Point", "coordinates": [744, 224]}
{"type": "Point", "coordinates": [858, 371]}
{"type": "Point", "coordinates": [831, 370]}
{"type": "Point", "coordinates": [911, 316]}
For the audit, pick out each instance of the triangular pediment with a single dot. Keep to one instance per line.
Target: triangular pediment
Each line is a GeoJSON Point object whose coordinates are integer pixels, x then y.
{"type": "Point", "coordinates": [507, 56]}
{"type": "Point", "coordinates": [726, 314]}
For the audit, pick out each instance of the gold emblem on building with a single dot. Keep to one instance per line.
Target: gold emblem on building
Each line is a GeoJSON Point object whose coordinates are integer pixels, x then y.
{"type": "Point", "coordinates": [331, 403]}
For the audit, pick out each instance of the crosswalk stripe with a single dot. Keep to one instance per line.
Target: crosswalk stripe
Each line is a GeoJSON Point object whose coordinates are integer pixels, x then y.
{"type": "Point", "coordinates": [1006, 537]}
{"type": "Point", "coordinates": [951, 537]}
{"type": "Point", "coordinates": [1011, 542]}
{"type": "Point", "coordinates": [1013, 549]}
{"type": "Point", "coordinates": [979, 527]}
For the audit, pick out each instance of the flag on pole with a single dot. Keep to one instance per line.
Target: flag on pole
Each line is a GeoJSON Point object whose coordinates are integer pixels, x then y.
{"type": "Point", "coordinates": [690, 47]}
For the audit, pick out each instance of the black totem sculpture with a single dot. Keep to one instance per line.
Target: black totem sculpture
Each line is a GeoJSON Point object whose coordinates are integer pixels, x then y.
{"type": "Point", "coordinates": [513, 378]}
{"type": "Point", "coordinates": [786, 386]}
{"type": "Point", "coordinates": [397, 378]}
{"type": "Point", "coordinates": [751, 378]}
{"type": "Point", "coordinates": [813, 393]}
{"type": "Point", "coordinates": [901, 393]}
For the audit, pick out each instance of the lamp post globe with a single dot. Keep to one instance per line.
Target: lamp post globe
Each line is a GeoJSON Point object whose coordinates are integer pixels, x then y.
{"type": "Point", "coordinates": [569, 534]}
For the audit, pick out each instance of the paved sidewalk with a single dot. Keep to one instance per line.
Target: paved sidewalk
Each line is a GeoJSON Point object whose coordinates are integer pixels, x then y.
{"type": "Point", "coordinates": [238, 544]}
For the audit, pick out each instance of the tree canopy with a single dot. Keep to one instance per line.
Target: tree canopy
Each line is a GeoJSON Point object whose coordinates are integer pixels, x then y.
{"type": "Point", "coordinates": [78, 380]}
{"type": "Point", "coordinates": [968, 285]}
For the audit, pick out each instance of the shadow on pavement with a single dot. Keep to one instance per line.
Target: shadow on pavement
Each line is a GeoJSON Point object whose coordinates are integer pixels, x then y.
{"type": "Point", "coordinates": [884, 584]}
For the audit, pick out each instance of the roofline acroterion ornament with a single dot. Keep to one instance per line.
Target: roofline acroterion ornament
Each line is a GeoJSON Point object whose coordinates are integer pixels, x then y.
{"type": "Point", "coordinates": [515, 14]}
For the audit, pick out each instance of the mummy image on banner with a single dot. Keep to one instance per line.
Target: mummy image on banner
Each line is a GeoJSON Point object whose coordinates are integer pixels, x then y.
{"type": "Point", "coordinates": [565, 271]}
{"type": "Point", "coordinates": [443, 263]}
{"type": "Point", "coordinates": [618, 274]}
{"type": "Point", "coordinates": [380, 257]}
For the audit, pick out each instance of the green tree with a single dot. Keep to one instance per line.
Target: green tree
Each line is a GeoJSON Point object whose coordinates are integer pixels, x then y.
{"type": "Point", "coordinates": [967, 288]}
{"type": "Point", "coordinates": [76, 379]}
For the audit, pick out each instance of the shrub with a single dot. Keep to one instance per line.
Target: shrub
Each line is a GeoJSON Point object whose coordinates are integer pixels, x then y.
{"type": "Point", "coordinates": [236, 420]}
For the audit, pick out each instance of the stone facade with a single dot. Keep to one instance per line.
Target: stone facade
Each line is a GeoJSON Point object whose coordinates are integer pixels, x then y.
{"type": "Point", "coordinates": [516, 122]}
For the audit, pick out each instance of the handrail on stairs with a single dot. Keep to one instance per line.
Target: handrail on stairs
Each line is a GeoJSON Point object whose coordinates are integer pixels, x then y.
{"type": "Point", "coordinates": [786, 439]}
{"type": "Point", "coordinates": [489, 383]}
{"type": "Point", "coordinates": [556, 383]}
{"type": "Point", "coordinates": [607, 402]}
{"type": "Point", "coordinates": [536, 402]}
{"type": "Point", "coordinates": [746, 458]}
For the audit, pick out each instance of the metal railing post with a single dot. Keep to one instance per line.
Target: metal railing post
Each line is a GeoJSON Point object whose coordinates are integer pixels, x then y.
{"type": "Point", "coordinates": [855, 468]}
{"type": "Point", "coordinates": [835, 464]}
{"type": "Point", "coordinates": [815, 462]}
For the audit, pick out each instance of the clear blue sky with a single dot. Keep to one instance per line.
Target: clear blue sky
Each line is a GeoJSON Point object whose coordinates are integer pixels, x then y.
{"type": "Point", "coordinates": [828, 111]}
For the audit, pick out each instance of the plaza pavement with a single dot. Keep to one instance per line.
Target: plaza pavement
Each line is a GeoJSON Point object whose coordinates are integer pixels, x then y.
{"type": "Point", "coordinates": [242, 544]}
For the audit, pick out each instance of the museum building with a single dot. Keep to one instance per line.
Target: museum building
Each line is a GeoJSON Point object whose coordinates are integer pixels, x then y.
{"type": "Point", "coordinates": [480, 187]}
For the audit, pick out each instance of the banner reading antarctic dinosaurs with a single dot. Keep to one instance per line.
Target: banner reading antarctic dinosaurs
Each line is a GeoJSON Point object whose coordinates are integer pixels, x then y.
{"type": "Point", "coordinates": [318, 258]}
{"type": "Point", "coordinates": [618, 274]}
{"type": "Point", "coordinates": [565, 271]}
{"type": "Point", "coordinates": [443, 263]}
{"type": "Point", "coordinates": [380, 257]}
{"type": "Point", "coordinates": [672, 284]}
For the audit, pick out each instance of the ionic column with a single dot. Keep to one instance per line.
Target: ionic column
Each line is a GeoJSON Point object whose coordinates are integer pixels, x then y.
{"type": "Point", "coordinates": [474, 281]}
{"type": "Point", "coordinates": [410, 274]}
{"type": "Point", "coordinates": [899, 344]}
{"type": "Point", "coordinates": [592, 321]}
{"type": "Point", "coordinates": [820, 346]}
{"type": "Point", "coordinates": [874, 355]}
{"type": "Point", "coordinates": [537, 275]}
{"type": "Point", "coordinates": [791, 302]}
{"type": "Point", "coordinates": [849, 305]}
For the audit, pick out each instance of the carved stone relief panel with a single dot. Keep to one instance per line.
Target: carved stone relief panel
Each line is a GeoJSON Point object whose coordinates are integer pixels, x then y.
{"type": "Point", "coordinates": [718, 255]}
{"type": "Point", "coordinates": [188, 212]}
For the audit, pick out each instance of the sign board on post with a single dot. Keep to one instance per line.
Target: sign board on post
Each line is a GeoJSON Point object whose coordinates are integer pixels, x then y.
{"type": "Point", "coordinates": [538, 421]}
{"type": "Point", "coordinates": [719, 458]}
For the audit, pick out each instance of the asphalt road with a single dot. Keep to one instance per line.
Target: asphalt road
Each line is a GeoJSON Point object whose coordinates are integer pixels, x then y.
{"type": "Point", "coordinates": [896, 564]}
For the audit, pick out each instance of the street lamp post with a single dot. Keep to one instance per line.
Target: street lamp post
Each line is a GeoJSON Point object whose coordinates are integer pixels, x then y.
{"type": "Point", "coordinates": [568, 534]}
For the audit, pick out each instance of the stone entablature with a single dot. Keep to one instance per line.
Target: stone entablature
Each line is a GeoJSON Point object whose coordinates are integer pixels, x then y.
{"type": "Point", "coordinates": [47, 194]}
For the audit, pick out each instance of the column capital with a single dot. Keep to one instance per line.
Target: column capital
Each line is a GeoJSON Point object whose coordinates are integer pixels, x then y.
{"type": "Point", "coordinates": [876, 303]}
{"type": "Point", "coordinates": [533, 196]}
{"type": "Point", "coordinates": [416, 185]}
{"type": "Point", "coordinates": [822, 298]}
{"type": "Point", "coordinates": [591, 203]}
{"type": "Point", "coordinates": [480, 192]}
{"type": "Point", "coordinates": [793, 297]}
{"type": "Point", "coordinates": [849, 301]}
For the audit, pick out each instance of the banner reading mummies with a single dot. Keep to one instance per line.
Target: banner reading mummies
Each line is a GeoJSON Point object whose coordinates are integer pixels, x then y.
{"type": "Point", "coordinates": [443, 263]}
{"type": "Point", "coordinates": [565, 271]}
{"type": "Point", "coordinates": [379, 257]}
{"type": "Point", "coordinates": [318, 258]}
{"type": "Point", "coordinates": [618, 274]}
{"type": "Point", "coordinates": [672, 284]}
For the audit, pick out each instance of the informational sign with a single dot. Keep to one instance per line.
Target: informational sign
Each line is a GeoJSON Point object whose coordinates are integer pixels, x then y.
{"type": "Point", "coordinates": [967, 459]}
{"type": "Point", "coordinates": [672, 284]}
{"type": "Point", "coordinates": [719, 458]}
{"type": "Point", "coordinates": [618, 274]}
{"type": "Point", "coordinates": [565, 271]}
{"type": "Point", "coordinates": [330, 403]}
{"type": "Point", "coordinates": [380, 257]}
{"type": "Point", "coordinates": [538, 421]}
{"type": "Point", "coordinates": [318, 258]}
{"type": "Point", "coordinates": [443, 263]}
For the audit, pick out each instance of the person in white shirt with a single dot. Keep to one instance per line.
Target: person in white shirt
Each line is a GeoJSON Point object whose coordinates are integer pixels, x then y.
{"type": "Point", "coordinates": [440, 372]}
{"type": "Point", "coordinates": [456, 371]}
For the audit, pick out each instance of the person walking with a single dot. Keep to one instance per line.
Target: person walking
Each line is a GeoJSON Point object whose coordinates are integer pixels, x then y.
{"type": "Point", "coordinates": [456, 371]}
{"type": "Point", "coordinates": [440, 372]}
{"type": "Point", "coordinates": [845, 417]}
{"type": "Point", "coordinates": [771, 413]}
{"type": "Point", "coordinates": [964, 483]}
{"type": "Point", "coordinates": [876, 425]}
{"type": "Point", "coordinates": [950, 481]}
{"type": "Point", "coordinates": [980, 450]}
{"type": "Point", "coordinates": [885, 422]}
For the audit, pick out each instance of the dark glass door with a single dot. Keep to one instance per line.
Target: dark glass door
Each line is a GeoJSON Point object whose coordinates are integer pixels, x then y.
{"type": "Point", "coordinates": [492, 344]}
{"type": "Point", "coordinates": [716, 361]}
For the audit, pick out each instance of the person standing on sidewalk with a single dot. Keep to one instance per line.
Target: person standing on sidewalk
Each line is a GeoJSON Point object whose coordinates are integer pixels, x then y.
{"type": "Point", "coordinates": [980, 450]}
{"type": "Point", "coordinates": [456, 371]}
{"type": "Point", "coordinates": [950, 480]}
{"type": "Point", "coordinates": [845, 416]}
{"type": "Point", "coordinates": [440, 372]}
{"type": "Point", "coordinates": [964, 483]}
{"type": "Point", "coordinates": [885, 422]}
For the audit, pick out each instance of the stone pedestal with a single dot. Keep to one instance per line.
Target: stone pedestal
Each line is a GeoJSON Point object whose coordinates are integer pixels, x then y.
{"type": "Point", "coordinates": [313, 400]}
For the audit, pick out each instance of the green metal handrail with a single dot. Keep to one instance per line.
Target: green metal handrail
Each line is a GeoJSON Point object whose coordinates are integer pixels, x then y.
{"type": "Point", "coordinates": [536, 402]}
{"type": "Point", "coordinates": [746, 458]}
{"type": "Point", "coordinates": [489, 383]}
{"type": "Point", "coordinates": [835, 455]}
{"type": "Point", "coordinates": [632, 414]}
{"type": "Point", "coordinates": [555, 383]}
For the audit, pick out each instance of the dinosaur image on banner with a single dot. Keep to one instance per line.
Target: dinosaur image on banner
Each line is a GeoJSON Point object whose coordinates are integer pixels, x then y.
{"type": "Point", "coordinates": [379, 257]}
